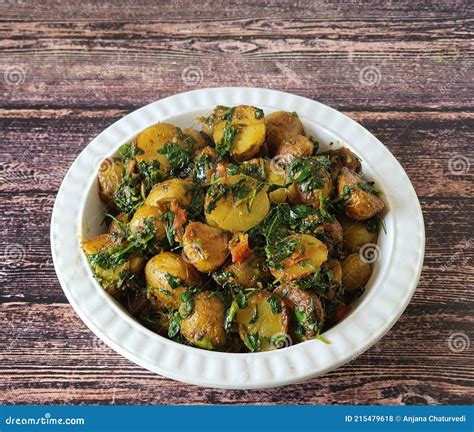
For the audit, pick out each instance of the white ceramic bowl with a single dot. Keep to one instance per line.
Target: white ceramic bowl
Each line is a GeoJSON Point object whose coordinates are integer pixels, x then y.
{"type": "Point", "coordinates": [78, 213]}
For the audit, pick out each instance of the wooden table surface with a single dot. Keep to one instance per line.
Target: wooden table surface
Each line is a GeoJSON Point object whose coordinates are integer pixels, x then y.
{"type": "Point", "coordinates": [68, 69]}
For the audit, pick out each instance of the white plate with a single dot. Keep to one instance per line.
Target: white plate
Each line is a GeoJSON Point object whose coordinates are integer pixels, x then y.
{"type": "Point", "coordinates": [77, 214]}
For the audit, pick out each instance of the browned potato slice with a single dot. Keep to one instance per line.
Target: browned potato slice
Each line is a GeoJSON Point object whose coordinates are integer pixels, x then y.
{"type": "Point", "coordinates": [275, 172]}
{"type": "Point", "coordinates": [331, 233]}
{"type": "Point", "coordinates": [263, 324]}
{"type": "Point", "coordinates": [235, 204]}
{"type": "Point", "coordinates": [108, 274]}
{"type": "Point", "coordinates": [280, 127]}
{"type": "Point", "coordinates": [360, 205]}
{"type": "Point", "coordinates": [199, 139]}
{"type": "Point", "coordinates": [297, 196]}
{"type": "Point", "coordinates": [152, 139]}
{"type": "Point", "coordinates": [172, 189]}
{"type": "Point", "coordinates": [109, 176]}
{"type": "Point", "coordinates": [205, 247]}
{"type": "Point", "coordinates": [151, 215]}
{"type": "Point", "coordinates": [299, 146]}
{"type": "Point", "coordinates": [307, 258]}
{"type": "Point", "coordinates": [344, 158]}
{"type": "Point", "coordinates": [309, 313]}
{"type": "Point", "coordinates": [356, 235]}
{"type": "Point", "coordinates": [167, 276]}
{"type": "Point", "coordinates": [355, 272]}
{"type": "Point", "coordinates": [246, 273]}
{"type": "Point", "coordinates": [249, 128]}
{"type": "Point", "coordinates": [204, 327]}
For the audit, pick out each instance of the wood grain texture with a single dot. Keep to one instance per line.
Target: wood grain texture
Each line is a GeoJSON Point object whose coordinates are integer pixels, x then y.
{"type": "Point", "coordinates": [402, 69]}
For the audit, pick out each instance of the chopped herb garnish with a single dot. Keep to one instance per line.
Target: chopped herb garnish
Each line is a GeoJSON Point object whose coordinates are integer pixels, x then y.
{"type": "Point", "coordinates": [259, 113]}
{"type": "Point", "coordinates": [322, 339]}
{"type": "Point", "coordinates": [279, 340]}
{"type": "Point", "coordinates": [222, 276]}
{"type": "Point", "coordinates": [168, 217]}
{"type": "Point", "coordinates": [173, 281]}
{"type": "Point", "coordinates": [308, 173]}
{"type": "Point", "coordinates": [187, 305]}
{"type": "Point", "coordinates": [229, 316]}
{"type": "Point", "coordinates": [275, 304]}
{"type": "Point", "coordinates": [254, 318]}
{"type": "Point", "coordinates": [253, 342]}
{"type": "Point", "coordinates": [150, 173]}
{"type": "Point", "coordinates": [128, 152]}
{"type": "Point", "coordinates": [128, 195]}
{"type": "Point", "coordinates": [174, 325]}
{"type": "Point", "coordinates": [369, 187]}
{"type": "Point", "coordinates": [178, 158]}
{"type": "Point", "coordinates": [224, 146]}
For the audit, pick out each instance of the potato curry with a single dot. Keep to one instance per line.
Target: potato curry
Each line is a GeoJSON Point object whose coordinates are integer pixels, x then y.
{"type": "Point", "coordinates": [237, 237]}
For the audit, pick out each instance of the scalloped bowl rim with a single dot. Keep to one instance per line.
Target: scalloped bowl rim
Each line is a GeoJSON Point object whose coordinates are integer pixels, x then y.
{"type": "Point", "coordinates": [389, 290]}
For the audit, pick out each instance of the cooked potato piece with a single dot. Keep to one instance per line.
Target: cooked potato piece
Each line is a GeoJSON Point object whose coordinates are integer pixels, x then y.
{"type": "Point", "coordinates": [204, 327]}
{"type": "Point", "coordinates": [247, 273]}
{"type": "Point", "coordinates": [236, 203]}
{"type": "Point", "coordinates": [263, 324]}
{"type": "Point", "coordinates": [275, 171]}
{"type": "Point", "coordinates": [199, 140]}
{"type": "Point", "coordinates": [253, 168]}
{"type": "Point", "coordinates": [205, 247]}
{"type": "Point", "coordinates": [361, 204]}
{"type": "Point", "coordinates": [355, 272]}
{"type": "Point", "coordinates": [329, 232]}
{"type": "Point", "coordinates": [343, 158]}
{"type": "Point", "coordinates": [172, 189]}
{"type": "Point", "coordinates": [109, 176]}
{"type": "Point", "coordinates": [208, 123]}
{"type": "Point", "coordinates": [167, 276]}
{"type": "Point", "coordinates": [356, 234]}
{"type": "Point", "coordinates": [152, 140]}
{"type": "Point", "coordinates": [335, 266]}
{"type": "Point", "coordinates": [309, 313]}
{"type": "Point", "coordinates": [299, 146]}
{"type": "Point", "coordinates": [312, 197]}
{"type": "Point", "coordinates": [103, 253]}
{"type": "Point", "coordinates": [148, 217]}
{"type": "Point", "coordinates": [280, 127]}
{"type": "Point", "coordinates": [243, 130]}
{"type": "Point", "coordinates": [309, 253]}
{"type": "Point", "coordinates": [278, 195]}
